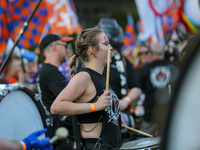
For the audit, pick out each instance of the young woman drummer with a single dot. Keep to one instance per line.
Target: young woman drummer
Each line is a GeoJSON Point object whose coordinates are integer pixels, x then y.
{"type": "Point", "coordinates": [85, 96]}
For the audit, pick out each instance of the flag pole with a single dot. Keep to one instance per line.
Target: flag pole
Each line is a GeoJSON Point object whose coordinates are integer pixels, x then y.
{"type": "Point", "coordinates": [19, 36]}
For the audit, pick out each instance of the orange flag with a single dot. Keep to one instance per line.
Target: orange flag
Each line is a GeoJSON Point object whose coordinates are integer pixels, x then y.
{"type": "Point", "coordinates": [62, 17]}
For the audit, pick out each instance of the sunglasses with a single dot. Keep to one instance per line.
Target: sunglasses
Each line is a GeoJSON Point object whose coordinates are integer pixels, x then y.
{"type": "Point", "coordinates": [65, 45]}
{"type": "Point", "coordinates": [141, 53]}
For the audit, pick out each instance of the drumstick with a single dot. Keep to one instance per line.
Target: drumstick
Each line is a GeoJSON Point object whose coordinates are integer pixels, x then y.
{"type": "Point", "coordinates": [108, 70]}
{"type": "Point", "coordinates": [169, 86]}
{"type": "Point", "coordinates": [135, 130]}
{"type": "Point", "coordinates": [61, 133]}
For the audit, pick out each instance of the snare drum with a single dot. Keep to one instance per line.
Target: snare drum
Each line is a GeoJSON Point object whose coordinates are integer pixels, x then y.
{"type": "Point", "coordinates": [143, 144]}
{"type": "Point", "coordinates": [21, 112]}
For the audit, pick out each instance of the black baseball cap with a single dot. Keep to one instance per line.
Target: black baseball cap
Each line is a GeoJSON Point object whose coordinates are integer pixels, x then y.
{"type": "Point", "coordinates": [49, 38]}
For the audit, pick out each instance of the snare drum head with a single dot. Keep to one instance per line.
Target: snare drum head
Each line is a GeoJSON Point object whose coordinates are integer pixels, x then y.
{"type": "Point", "coordinates": [19, 116]}
{"type": "Point", "coordinates": [141, 143]}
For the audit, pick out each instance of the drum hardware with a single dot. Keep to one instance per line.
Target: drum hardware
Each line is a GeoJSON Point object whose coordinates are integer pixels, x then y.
{"type": "Point", "coordinates": [49, 118]}
{"type": "Point", "coordinates": [2, 86]}
{"type": "Point", "coordinates": [8, 88]}
{"type": "Point", "coordinates": [37, 97]}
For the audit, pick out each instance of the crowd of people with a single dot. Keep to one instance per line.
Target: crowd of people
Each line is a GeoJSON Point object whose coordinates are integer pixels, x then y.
{"type": "Point", "coordinates": [72, 86]}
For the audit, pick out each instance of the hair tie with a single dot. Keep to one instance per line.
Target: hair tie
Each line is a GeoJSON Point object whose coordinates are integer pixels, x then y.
{"type": "Point", "coordinates": [82, 32]}
{"type": "Point", "coordinates": [83, 36]}
{"type": "Point", "coordinates": [76, 54]}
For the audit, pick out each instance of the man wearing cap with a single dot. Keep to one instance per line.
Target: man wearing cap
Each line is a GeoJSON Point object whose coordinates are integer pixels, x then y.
{"type": "Point", "coordinates": [50, 82]}
{"type": "Point", "coordinates": [154, 79]}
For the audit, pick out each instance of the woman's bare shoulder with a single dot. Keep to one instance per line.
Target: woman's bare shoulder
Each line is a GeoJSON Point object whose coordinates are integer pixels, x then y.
{"type": "Point", "coordinates": [83, 74]}
{"type": "Point", "coordinates": [82, 77]}
{"type": "Point", "coordinates": [79, 83]}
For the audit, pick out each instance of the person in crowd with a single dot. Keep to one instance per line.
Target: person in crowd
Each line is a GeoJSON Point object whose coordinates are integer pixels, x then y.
{"type": "Point", "coordinates": [10, 73]}
{"type": "Point", "coordinates": [64, 67]}
{"type": "Point", "coordinates": [29, 143]}
{"type": "Point", "coordinates": [123, 79]}
{"type": "Point", "coordinates": [154, 79]}
{"type": "Point", "coordinates": [172, 53]}
{"type": "Point", "coordinates": [144, 57]}
{"type": "Point", "coordinates": [85, 96]}
{"type": "Point", "coordinates": [50, 82]}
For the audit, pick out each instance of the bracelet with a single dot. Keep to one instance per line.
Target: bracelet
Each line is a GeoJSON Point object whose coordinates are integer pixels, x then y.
{"type": "Point", "coordinates": [23, 145]}
{"type": "Point", "coordinates": [128, 99]}
{"type": "Point", "coordinates": [92, 107]}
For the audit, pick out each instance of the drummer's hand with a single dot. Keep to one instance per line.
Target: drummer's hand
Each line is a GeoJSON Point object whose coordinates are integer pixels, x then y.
{"type": "Point", "coordinates": [32, 142]}
{"type": "Point", "coordinates": [103, 101]}
{"type": "Point", "coordinates": [123, 122]}
{"type": "Point", "coordinates": [123, 104]}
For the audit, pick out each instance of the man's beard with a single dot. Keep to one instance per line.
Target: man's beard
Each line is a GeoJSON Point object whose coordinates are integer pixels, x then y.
{"type": "Point", "coordinates": [63, 59]}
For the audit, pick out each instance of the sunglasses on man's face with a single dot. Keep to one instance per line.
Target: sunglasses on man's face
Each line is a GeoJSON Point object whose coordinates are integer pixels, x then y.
{"type": "Point", "coordinates": [65, 45]}
{"type": "Point", "coordinates": [141, 53]}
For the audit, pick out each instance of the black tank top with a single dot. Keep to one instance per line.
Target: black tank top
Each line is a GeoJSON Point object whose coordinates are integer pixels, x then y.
{"type": "Point", "coordinates": [111, 119]}
{"type": "Point", "coordinates": [98, 81]}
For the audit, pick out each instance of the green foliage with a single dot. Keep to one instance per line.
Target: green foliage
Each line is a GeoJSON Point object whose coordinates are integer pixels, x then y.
{"type": "Point", "coordinates": [121, 16]}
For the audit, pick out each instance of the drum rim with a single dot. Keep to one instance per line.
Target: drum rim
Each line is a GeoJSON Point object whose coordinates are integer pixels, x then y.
{"type": "Point", "coordinates": [147, 146]}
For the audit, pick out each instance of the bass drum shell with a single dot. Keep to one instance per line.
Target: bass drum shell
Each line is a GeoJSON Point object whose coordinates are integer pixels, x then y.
{"type": "Point", "coordinates": [21, 113]}
{"type": "Point", "coordinates": [181, 131]}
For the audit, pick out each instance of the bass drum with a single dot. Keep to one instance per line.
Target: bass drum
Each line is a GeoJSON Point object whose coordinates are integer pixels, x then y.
{"type": "Point", "coordinates": [21, 113]}
{"type": "Point", "coordinates": [143, 144]}
{"type": "Point", "coordinates": [183, 120]}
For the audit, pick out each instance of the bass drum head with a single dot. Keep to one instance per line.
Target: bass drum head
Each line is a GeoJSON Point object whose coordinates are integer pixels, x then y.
{"type": "Point", "coordinates": [19, 115]}
{"type": "Point", "coordinates": [182, 126]}
{"type": "Point", "coordinates": [145, 143]}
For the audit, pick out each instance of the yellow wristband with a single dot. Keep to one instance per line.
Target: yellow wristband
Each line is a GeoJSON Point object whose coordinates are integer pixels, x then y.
{"type": "Point", "coordinates": [23, 145]}
{"type": "Point", "coordinates": [92, 107]}
{"type": "Point", "coordinates": [128, 99]}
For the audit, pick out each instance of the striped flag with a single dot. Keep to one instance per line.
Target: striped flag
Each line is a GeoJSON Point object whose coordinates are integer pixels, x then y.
{"type": "Point", "coordinates": [129, 35]}
{"type": "Point", "coordinates": [129, 38]}
{"type": "Point", "coordinates": [21, 10]}
{"type": "Point", "coordinates": [171, 20]}
{"type": "Point", "coordinates": [62, 17]}
{"type": "Point", "coordinates": [6, 25]}
{"type": "Point", "coordinates": [56, 16]}
{"type": "Point", "coordinates": [190, 18]}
